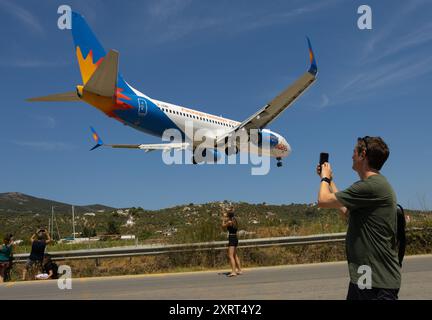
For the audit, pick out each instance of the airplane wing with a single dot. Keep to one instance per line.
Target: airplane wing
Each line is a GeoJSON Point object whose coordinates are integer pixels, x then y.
{"type": "Point", "coordinates": [165, 147]}
{"type": "Point", "coordinates": [285, 99]}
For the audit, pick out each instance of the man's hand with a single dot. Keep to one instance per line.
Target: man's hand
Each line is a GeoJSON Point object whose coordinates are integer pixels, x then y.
{"type": "Point", "coordinates": [326, 171]}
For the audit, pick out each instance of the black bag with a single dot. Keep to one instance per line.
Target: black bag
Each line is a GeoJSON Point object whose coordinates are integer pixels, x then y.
{"type": "Point", "coordinates": [401, 236]}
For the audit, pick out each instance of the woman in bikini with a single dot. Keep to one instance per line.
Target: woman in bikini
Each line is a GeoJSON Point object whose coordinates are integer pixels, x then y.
{"type": "Point", "coordinates": [229, 222]}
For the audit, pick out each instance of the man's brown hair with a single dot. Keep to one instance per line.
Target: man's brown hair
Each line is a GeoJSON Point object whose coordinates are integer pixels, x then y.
{"type": "Point", "coordinates": [376, 150]}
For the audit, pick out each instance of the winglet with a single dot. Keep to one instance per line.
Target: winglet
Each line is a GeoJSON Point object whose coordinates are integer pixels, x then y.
{"type": "Point", "coordinates": [313, 69]}
{"type": "Point", "coordinates": [96, 138]}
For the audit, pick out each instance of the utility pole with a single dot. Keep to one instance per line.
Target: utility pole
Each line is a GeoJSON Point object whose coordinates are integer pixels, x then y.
{"type": "Point", "coordinates": [73, 222]}
{"type": "Point", "coordinates": [52, 222]}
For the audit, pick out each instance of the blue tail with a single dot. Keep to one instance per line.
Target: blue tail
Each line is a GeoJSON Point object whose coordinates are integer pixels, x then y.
{"type": "Point", "coordinates": [90, 51]}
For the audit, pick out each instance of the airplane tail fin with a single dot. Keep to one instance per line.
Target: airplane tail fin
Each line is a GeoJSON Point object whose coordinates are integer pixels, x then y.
{"type": "Point", "coordinates": [104, 79]}
{"type": "Point", "coordinates": [91, 54]}
{"type": "Point", "coordinates": [89, 51]}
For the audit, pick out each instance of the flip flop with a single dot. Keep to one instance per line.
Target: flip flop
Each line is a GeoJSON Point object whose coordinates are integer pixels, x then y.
{"type": "Point", "coordinates": [231, 275]}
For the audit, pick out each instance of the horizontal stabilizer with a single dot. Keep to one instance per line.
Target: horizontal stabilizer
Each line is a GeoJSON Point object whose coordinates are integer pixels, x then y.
{"type": "Point", "coordinates": [104, 80]}
{"type": "Point", "coordinates": [67, 96]}
{"type": "Point", "coordinates": [164, 147]}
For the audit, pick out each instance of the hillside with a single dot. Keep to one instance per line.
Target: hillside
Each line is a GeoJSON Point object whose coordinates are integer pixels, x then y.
{"type": "Point", "coordinates": [21, 215]}
{"type": "Point", "coordinates": [22, 203]}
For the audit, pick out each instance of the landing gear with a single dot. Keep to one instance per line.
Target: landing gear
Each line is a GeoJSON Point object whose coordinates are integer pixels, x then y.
{"type": "Point", "coordinates": [279, 162]}
{"type": "Point", "coordinates": [230, 147]}
{"type": "Point", "coordinates": [231, 150]}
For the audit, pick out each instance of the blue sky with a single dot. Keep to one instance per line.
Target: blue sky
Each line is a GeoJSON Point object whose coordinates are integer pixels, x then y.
{"type": "Point", "coordinates": [227, 58]}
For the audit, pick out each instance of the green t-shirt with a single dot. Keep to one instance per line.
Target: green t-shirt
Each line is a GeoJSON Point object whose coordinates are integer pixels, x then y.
{"type": "Point", "coordinates": [5, 253]}
{"type": "Point", "coordinates": [371, 235]}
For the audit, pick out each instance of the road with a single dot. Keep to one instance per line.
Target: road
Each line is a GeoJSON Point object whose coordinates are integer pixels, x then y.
{"type": "Point", "coordinates": [311, 281]}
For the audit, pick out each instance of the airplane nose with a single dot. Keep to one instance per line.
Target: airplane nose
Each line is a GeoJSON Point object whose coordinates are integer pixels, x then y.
{"type": "Point", "coordinates": [288, 152]}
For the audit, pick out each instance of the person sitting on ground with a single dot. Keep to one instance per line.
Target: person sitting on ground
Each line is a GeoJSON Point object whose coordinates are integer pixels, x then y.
{"type": "Point", "coordinates": [5, 254]}
{"type": "Point", "coordinates": [39, 240]}
{"type": "Point", "coordinates": [50, 269]}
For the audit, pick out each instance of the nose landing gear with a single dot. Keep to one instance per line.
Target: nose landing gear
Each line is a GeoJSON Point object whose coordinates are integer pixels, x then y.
{"type": "Point", "coordinates": [279, 162]}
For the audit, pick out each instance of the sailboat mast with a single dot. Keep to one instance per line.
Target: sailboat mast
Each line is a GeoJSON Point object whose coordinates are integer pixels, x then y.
{"type": "Point", "coordinates": [73, 222]}
{"type": "Point", "coordinates": [52, 222]}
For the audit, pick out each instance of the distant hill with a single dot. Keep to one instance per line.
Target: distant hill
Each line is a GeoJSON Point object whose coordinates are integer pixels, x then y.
{"type": "Point", "coordinates": [22, 203]}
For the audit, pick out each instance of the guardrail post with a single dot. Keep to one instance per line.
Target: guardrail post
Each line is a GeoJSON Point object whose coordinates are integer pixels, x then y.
{"type": "Point", "coordinates": [97, 262]}
{"type": "Point", "coordinates": [213, 254]}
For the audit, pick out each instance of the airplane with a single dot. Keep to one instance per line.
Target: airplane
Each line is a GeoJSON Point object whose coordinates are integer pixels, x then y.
{"type": "Point", "coordinates": [104, 87]}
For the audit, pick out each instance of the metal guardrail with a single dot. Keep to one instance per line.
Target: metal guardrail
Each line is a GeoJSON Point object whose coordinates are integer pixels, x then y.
{"type": "Point", "coordinates": [130, 251]}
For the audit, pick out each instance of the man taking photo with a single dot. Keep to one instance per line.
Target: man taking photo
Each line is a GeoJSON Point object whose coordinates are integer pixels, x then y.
{"type": "Point", "coordinates": [370, 206]}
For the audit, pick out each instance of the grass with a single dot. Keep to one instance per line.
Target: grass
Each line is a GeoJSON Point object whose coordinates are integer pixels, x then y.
{"type": "Point", "coordinates": [202, 223]}
{"type": "Point", "coordinates": [418, 242]}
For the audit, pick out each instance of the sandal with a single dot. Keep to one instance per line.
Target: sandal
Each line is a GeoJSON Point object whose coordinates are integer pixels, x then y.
{"type": "Point", "coordinates": [232, 275]}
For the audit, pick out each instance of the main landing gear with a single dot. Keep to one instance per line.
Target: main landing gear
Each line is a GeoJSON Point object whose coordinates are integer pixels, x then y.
{"type": "Point", "coordinates": [279, 162]}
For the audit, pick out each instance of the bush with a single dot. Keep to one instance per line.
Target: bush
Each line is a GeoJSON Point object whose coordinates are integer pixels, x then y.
{"type": "Point", "coordinates": [112, 227]}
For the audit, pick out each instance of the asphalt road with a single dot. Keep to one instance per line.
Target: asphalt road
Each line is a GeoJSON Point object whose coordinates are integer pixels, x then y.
{"type": "Point", "coordinates": [312, 281]}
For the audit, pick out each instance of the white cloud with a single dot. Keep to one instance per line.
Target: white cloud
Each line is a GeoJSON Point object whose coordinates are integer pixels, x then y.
{"type": "Point", "coordinates": [324, 101]}
{"type": "Point", "coordinates": [416, 37]}
{"type": "Point", "coordinates": [45, 121]}
{"type": "Point", "coordinates": [388, 29]}
{"type": "Point", "coordinates": [168, 24]}
{"type": "Point", "coordinates": [25, 16]}
{"type": "Point", "coordinates": [164, 9]}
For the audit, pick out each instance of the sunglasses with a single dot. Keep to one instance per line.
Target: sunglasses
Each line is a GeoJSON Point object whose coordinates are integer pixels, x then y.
{"type": "Point", "coordinates": [364, 139]}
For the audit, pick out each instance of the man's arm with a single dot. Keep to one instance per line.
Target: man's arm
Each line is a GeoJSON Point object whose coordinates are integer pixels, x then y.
{"type": "Point", "coordinates": [326, 194]}
{"type": "Point", "coordinates": [48, 240]}
{"type": "Point", "coordinates": [226, 223]}
{"type": "Point", "coordinates": [50, 274]}
{"type": "Point", "coordinates": [326, 198]}
{"type": "Point", "coordinates": [343, 210]}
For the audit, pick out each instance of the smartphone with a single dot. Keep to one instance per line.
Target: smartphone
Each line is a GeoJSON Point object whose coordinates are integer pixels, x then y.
{"type": "Point", "coordinates": [324, 157]}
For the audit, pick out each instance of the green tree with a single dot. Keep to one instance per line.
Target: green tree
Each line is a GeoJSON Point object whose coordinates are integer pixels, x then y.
{"type": "Point", "coordinates": [112, 227]}
{"type": "Point", "coordinates": [89, 232]}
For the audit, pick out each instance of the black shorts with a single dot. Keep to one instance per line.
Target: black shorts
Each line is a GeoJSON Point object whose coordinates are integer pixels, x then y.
{"type": "Point", "coordinates": [232, 240]}
{"type": "Point", "coordinates": [355, 293]}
